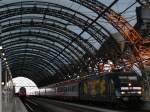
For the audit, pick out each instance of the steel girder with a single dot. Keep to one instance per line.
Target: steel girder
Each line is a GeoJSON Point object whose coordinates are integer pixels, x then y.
{"type": "Point", "coordinates": [13, 43]}
{"type": "Point", "coordinates": [48, 37]}
{"type": "Point", "coordinates": [46, 45]}
{"type": "Point", "coordinates": [12, 50]}
{"type": "Point", "coordinates": [98, 33]}
{"type": "Point", "coordinates": [27, 72]}
{"type": "Point", "coordinates": [11, 38]}
{"type": "Point", "coordinates": [41, 58]}
{"type": "Point", "coordinates": [46, 28]}
{"type": "Point", "coordinates": [35, 49]}
{"type": "Point", "coordinates": [61, 14]}
{"type": "Point", "coordinates": [36, 69]}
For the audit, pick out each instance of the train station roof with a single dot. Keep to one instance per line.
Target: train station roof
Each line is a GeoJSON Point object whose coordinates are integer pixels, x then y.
{"type": "Point", "coordinates": [50, 40]}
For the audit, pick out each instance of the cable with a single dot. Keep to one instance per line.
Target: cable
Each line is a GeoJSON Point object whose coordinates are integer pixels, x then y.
{"type": "Point", "coordinates": [128, 8]}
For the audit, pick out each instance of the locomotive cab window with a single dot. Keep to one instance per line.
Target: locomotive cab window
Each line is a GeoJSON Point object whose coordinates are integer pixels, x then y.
{"type": "Point", "coordinates": [127, 78]}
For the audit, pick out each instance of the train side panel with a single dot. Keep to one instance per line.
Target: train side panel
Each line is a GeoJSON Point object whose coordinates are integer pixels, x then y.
{"type": "Point", "coordinates": [68, 91]}
{"type": "Point", "coordinates": [100, 88]}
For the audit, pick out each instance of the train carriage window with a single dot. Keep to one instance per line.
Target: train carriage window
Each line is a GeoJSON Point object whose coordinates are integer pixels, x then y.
{"type": "Point", "coordinates": [73, 88]}
{"type": "Point", "coordinates": [65, 89]}
{"type": "Point", "coordinates": [68, 89]}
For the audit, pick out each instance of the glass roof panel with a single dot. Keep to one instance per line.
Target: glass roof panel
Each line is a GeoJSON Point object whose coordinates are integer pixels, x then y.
{"type": "Point", "coordinates": [63, 28]}
{"type": "Point", "coordinates": [120, 6]}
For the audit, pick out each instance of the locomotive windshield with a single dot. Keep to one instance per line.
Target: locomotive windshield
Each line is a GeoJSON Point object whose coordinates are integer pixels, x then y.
{"type": "Point", "coordinates": [127, 78]}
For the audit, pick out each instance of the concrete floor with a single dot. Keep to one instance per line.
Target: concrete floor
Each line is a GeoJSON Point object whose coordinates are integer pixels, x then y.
{"type": "Point", "coordinates": [13, 105]}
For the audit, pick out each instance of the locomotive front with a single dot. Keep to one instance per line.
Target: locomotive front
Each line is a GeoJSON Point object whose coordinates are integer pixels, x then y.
{"type": "Point", "coordinates": [130, 87]}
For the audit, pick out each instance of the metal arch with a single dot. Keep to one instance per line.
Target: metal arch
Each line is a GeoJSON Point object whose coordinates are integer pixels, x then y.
{"type": "Point", "coordinates": [15, 42]}
{"type": "Point", "coordinates": [48, 4]}
{"type": "Point", "coordinates": [33, 69]}
{"type": "Point", "coordinates": [48, 49]}
{"type": "Point", "coordinates": [36, 48]}
{"type": "Point", "coordinates": [45, 61]}
{"type": "Point", "coordinates": [9, 50]}
{"type": "Point", "coordinates": [32, 18]}
{"type": "Point", "coordinates": [33, 49]}
{"type": "Point", "coordinates": [13, 59]}
{"type": "Point", "coordinates": [20, 35]}
{"type": "Point", "coordinates": [28, 74]}
{"type": "Point", "coordinates": [114, 19]}
{"type": "Point", "coordinates": [30, 62]}
{"type": "Point", "coordinates": [79, 20]}
{"type": "Point", "coordinates": [43, 36]}
{"type": "Point", "coordinates": [51, 28]}
{"type": "Point", "coordinates": [80, 25]}
{"type": "Point", "coordinates": [3, 38]}
{"type": "Point", "coordinates": [23, 47]}
{"type": "Point", "coordinates": [28, 56]}
{"type": "Point", "coordinates": [36, 7]}
{"type": "Point", "coordinates": [39, 56]}
{"type": "Point", "coordinates": [27, 63]}
{"type": "Point", "coordinates": [14, 52]}
{"type": "Point", "coordinates": [75, 55]}
{"type": "Point", "coordinates": [140, 52]}
{"type": "Point", "coordinates": [16, 61]}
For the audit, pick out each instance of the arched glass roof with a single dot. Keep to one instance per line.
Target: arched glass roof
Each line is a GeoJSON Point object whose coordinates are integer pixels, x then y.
{"type": "Point", "coordinates": [49, 39]}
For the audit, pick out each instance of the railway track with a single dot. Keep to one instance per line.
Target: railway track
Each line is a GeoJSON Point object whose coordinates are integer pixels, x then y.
{"type": "Point", "coordinates": [48, 105]}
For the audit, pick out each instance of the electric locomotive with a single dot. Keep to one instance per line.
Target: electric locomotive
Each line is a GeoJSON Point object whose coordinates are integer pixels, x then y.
{"type": "Point", "coordinates": [111, 87]}
{"type": "Point", "coordinates": [105, 87]}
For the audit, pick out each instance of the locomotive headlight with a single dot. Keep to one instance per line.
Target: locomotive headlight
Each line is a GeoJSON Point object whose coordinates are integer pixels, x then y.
{"type": "Point", "coordinates": [122, 92]}
{"type": "Point", "coordinates": [137, 88]}
{"type": "Point", "coordinates": [139, 92]}
{"type": "Point", "coordinates": [129, 84]}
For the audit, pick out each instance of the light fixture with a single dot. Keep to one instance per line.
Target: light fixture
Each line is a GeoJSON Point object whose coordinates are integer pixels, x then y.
{"type": "Point", "coordinates": [3, 83]}
{"type": "Point", "coordinates": [1, 47]}
{"type": "Point", "coordinates": [129, 84]}
{"type": "Point", "coordinates": [139, 92]}
{"type": "Point", "coordinates": [122, 92]}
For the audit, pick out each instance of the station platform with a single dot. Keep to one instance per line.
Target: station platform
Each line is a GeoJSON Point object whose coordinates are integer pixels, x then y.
{"type": "Point", "coordinates": [15, 105]}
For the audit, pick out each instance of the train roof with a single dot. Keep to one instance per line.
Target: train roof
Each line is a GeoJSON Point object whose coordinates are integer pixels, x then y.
{"type": "Point", "coordinates": [93, 75]}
